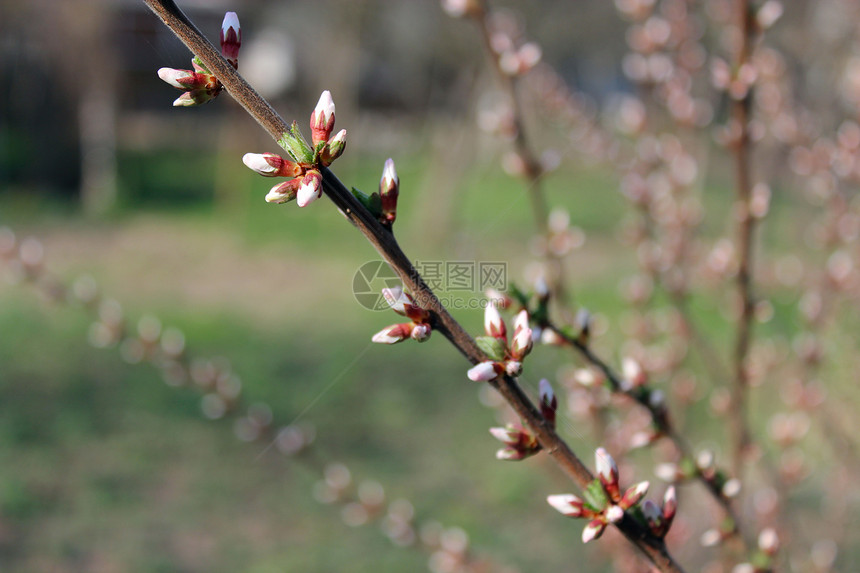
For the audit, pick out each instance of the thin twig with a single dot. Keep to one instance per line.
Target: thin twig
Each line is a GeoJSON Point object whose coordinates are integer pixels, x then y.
{"type": "Point", "coordinates": [659, 416]}
{"type": "Point", "coordinates": [533, 169]}
{"type": "Point", "coordinates": [744, 244]}
{"type": "Point", "coordinates": [383, 241]}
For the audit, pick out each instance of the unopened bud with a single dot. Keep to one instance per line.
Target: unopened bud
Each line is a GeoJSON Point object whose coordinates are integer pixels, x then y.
{"type": "Point", "coordinates": [310, 189]}
{"type": "Point", "coordinates": [420, 332]}
{"type": "Point", "coordinates": [483, 372]}
{"type": "Point", "coordinates": [333, 148]}
{"type": "Point", "coordinates": [322, 119]}
{"type": "Point", "coordinates": [392, 334]}
{"type": "Point", "coordinates": [283, 192]}
{"type": "Point", "coordinates": [389, 190]}
{"type": "Point", "coordinates": [231, 38]}
{"type": "Point", "coordinates": [271, 165]}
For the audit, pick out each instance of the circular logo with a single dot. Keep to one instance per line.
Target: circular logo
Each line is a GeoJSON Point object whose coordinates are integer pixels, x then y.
{"type": "Point", "coordinates": [368, 282]}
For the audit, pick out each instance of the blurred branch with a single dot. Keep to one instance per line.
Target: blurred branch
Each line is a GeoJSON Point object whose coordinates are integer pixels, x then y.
{"type": "Point", "coordinates": [384, 242]}
{"type": "Point", "coordinates": [533, 169]}
{"type": "Point", "coordinates": [744, 240]}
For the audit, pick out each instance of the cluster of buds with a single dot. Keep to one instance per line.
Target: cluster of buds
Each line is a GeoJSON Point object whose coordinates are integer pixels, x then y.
{"type": "Point", "coordinates": [306, 183]}
{"type": "Point", "coordinates": [505, 358]}
{"type": "Point", "coordinates": [519, 442]}
{"type": "Point", "coordinates": [402, 303]}
{"type": "Point", "coordinates": [200, 85]}
{"type": "Point", "coordinates": [603, 503]}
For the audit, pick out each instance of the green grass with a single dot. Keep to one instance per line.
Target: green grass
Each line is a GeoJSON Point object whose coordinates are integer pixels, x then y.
{"type": "Point", "coordinates": [107, 467]}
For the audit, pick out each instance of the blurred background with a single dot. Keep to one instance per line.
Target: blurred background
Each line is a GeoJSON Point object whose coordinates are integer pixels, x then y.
{"type": "Point", "coordinates": [107, 468]}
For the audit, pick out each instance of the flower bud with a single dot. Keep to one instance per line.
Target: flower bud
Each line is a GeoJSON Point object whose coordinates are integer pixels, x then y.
{"type": "Point", "coordinates": [513, 368]}
{"type": "Point", "coordinates": [333, 148]}
{"type": "Point", "coordinates": [548, 401]}
{"type": "Point", "coordinates": [593, 530]}
{"type": "Point", "coordinates": [420, 332]}
{"type": "Point", "coordinates": [634, 494]}
{"type": "Point", "coordinates": [283, 192]}
{"type": "Point", "coordinates": [483, 372]}
{"type": "Point", "coordinates": [271, 165]}
{"type": "Point", "coordinates": [194, 97]}
{"type": "Point", "coordinates": [231, 38]}
{"type": "Point", "coordinates": [566, 504]}
{"type": "Point", "coordinates": [493, 323]}
{"type": "Point", "coordinates": [389, 190]}
{"type": "Point", "coordinates": [607, 472]}
{"type": "Point", "coordinates": [392, 334]}
{"type": "Point", "coordinates": [310, 189]}
{"type": "Point", "coordinates": [614, 514]}
{"type": "Point", "coordinates": [322, 119]}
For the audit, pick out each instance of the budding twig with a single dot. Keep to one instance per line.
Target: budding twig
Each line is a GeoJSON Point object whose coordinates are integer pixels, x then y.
{"type": "Point", "coordinates": [383, 241]}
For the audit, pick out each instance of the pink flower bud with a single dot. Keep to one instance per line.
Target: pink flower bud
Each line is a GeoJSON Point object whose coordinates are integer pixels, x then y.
{"type": "Point", "coordinates": [670, 504]}
{"type": "Point", "coordinates": [652, 513]}
{"type": "Point", "coordinates": [548, 401]}
{"type": "Point", "coordinates": [322, 119]}
{"type": "Point", "coordinates": [310, 189]}
{"type": "Point", "coordinates": [566, 504]}
{"type": "Point", "coordinates": [333, 148]}
{"type": "Point", "coordinates": [396, 299]}
{"type": "Point", "coordinates": [614, 514]}
{"type": "Point", "coordinates": [172, 77]}
{"type": "Point", "coordinates": [593, 530]}
{"type": "Point", "coordinates": [231, 38]}
{"type": "Point", "coordinates": [513, 368]}
{"type": "Point", "coordinates": [607, 471]}
{"type": "Point", "coordinates": [393, 334]}
{"type": "Point", "coordinates": [634, 494]}
{"type": "Point", "coordinates": [493, 323]}
{"type": "Point", "coordinates": [271, 165]}
{"type": "Point", "coordinates": [283, 192]}
{"type": "Point", "coordinates": [483, 372]}
{"type": "Point", "coordinates": [522, 343]}
{"type": "Point", "coordinates": [420, 332]}
{"type": "Point", "coordinates": [389, 190]}
{"type": "Point", "coordinates": [512, 454]}
{"type": "Point", "coordinates": [194, 97]}
{"type": "Point", "coordinates": [499, 299]}
{"type": "Point", "coordinates": [768, 541]}
{"type": "Point", "coordinates": [668, 472]}
{"type": "Point", "coordinates": [508, 435]}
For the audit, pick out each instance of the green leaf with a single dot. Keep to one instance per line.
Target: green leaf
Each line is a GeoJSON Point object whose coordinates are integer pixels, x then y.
{"type": "Point", "coordinates": [492, 347]}
{"type": "Point", "coordinates": [294, 143]}
{"type": "Point", "coordinates": [197, 61]}
{"type": "Point", "coordinates": [372, 202]}
{"type": "Point", "coordinates": [594, 496]}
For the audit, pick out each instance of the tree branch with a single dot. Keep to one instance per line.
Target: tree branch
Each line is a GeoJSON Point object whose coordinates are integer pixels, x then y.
{"type": "Point", "coordinates": [383, 241]}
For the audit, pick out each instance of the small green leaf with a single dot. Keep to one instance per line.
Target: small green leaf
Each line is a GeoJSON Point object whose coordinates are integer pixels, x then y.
{"type": "Point", "coordinates": [595, 497]}
{"type": "Point", "coordinates": [372, 202]}
{"type": "Point", "coordinates": [294, 143]}
{"type": "Point", "coordinates": [492, 347]}
{"type": "Point", "coordinates": [197, 61]}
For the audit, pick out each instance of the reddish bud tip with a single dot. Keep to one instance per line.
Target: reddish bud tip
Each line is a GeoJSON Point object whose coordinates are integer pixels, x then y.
{"type": "Point", "coordinates": [231, 38]}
